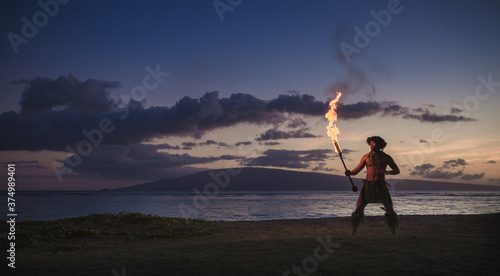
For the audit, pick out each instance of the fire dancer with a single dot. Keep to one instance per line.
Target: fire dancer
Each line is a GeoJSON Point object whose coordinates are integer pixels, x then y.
{"type": "Point", "coordinates": [375, 188]}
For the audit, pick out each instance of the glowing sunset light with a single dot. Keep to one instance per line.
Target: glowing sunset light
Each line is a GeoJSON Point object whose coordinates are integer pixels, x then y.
{"type": "Point", "coordinates": [241, 91]}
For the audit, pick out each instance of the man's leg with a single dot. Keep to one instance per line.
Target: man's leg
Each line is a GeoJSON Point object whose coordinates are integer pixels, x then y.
{"type": "Point", "coordinates": [391, 218]}
{"type": "Point", "coordinates": [360, 204]}
{"type": "Point", "coordinates": [358, 217]}
{"type": "Point", "coordinates": [389, 208]}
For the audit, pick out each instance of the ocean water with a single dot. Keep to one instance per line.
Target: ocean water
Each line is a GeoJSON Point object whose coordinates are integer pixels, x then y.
{"type": "Point", "coordinates": [233, 206]}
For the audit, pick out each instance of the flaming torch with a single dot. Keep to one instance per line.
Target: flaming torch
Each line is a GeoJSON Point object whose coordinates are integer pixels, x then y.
{"type": "Point", "coordinates": [333, 131]}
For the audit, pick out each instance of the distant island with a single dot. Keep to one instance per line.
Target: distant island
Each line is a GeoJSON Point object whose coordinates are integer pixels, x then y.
{"type": "Point", "coordinates": [262, 179]}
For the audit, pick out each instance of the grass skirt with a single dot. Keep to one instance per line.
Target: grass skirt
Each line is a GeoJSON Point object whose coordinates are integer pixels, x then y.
{"type": "Point", "coordinates": [375, 192]}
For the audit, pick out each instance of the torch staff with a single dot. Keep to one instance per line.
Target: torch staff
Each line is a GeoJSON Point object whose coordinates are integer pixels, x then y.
{"type": "Point", "coordinates": [337, 146]}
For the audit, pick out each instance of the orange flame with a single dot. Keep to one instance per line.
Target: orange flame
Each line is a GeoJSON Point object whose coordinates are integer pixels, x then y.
{"type": "Point", "coordinates": [332, 129]}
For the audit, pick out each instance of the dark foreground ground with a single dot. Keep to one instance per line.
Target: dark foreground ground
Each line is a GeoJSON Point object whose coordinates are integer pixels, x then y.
{"type": "Point", "coordinates": [133, 244]}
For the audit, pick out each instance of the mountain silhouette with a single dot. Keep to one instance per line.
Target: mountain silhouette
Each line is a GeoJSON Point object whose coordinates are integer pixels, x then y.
{"type": "Point", "coordinates": [263, 179]}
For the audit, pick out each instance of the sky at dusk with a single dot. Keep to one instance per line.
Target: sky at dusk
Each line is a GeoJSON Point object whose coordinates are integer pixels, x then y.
{"type": "Point", "coordinates": [116, 93]}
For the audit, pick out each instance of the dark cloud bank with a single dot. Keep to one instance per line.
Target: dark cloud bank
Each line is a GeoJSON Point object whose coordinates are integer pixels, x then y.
{"type": "Point", "coordinates": [56, 113]}
{"type": "Point", "coordinates": [295, 159]}
{"type": "Point", "coordinates": [453, 168]}
{"type": "Point", "coordinates": [140, 161]}
{"type": "Point", "coordinates": [60, 114]}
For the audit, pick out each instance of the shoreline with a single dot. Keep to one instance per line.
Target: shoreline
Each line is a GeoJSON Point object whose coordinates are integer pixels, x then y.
{"type": "Point", "coordinates": [424, 244]}
{"type": "Point", "coordinates": [379, 214]}
{"type": "Point", "coordinates": [50, 205]}
{"type": "Point", "coordinates": [258, 220]}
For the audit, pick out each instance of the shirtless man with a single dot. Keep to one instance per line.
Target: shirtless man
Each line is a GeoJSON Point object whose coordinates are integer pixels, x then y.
{"type": "Point", "coordinates": [375, 188]}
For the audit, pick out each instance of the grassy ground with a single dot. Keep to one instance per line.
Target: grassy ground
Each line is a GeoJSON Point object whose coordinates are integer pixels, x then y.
{"type": "Point", "coordinates": [134, 244]}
